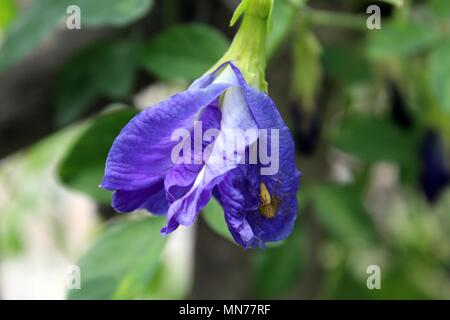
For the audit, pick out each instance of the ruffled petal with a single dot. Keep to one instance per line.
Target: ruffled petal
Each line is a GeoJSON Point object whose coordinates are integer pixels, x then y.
{"type": "Point", "coordinates": [180, 178]}
{"type": "Point", "coordinates": [247, 225]}
{"type": "Point", "coordinates": [152, 199]}
{"type": "Point", "coordinates": [235, 115]}
{"type": "Point", "coordinates": [141, 154]}
{"type": "Point", "coordinates": [141, 170]}
{"type": "Point", "coordinates": [235, 194]}
{"type": "Point", "coordinates": [266, 115]}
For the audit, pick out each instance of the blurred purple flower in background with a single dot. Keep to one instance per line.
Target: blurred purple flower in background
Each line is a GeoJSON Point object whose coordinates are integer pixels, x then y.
{"type": "Point", "coordinates": [434, 175]}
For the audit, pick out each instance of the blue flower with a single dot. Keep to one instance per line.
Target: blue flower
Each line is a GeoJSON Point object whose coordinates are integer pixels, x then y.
{"type": "Point", "coordinates": [155, 164]}
{"type": "Point", "coordinates": [434, 175]}
{"type": "Point", "coordinates": [258, 207]}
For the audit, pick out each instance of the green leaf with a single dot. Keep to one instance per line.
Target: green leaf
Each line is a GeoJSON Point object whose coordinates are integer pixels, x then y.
{"type": "Point", "coordinates": [277, 269]}
{"type": "Point", "coordinates": [215, 218]}
{"type": "Point", "coordinates": [373, 139]}
{"type": "Point", "coordinates": [27, 180]}
{"type": "Point", "coordinates": [117, 13]}
{"type": "Point", "coordinates": [346, 63]}
{"type": "Point", "coordinates": [283, 15]}
{"type": "Point", "coordinates": [123, 262]}
{"type": "Point", "coordinates": [441, 8]}
{"type": "Point", "coordinates": [399, 39]}
{"type": "Point", "coordinates": [404, 277]}
{"type": "Point", "coordinates": [31, 27]}
{"type": "Point", "coordinates": [439, 73]}
{"type": "Point", "coordinates": [104, 69]}
{"type": "Point", "coordinates": [27, 31]}
{"type": "Point", "coordinates": [83, 165]}
{"type": "Point", "coordinates": [340, 210]}
{"type": "Point", "coordinates": [183, 52]}
{"type": "Point", "coordinates": [307, 67]}
{"type": "Point", "coordinates": [238, 12]}
{"type": "Point", "coordinates": [7, 12]}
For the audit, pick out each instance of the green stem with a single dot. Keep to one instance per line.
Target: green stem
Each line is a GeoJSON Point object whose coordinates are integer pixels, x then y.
{"type": "Point", "coordinates": [398, 3]}
{"type": "Point", "coordinates": [248, 49]}
{"type": "Point", "coordinates": [335, 19]}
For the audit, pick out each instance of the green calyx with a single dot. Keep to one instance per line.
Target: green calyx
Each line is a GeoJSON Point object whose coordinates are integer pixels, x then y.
{"type": "Point", "coordinates": [248, 49]}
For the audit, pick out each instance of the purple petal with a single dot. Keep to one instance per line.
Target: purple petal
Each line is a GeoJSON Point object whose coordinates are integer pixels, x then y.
{"type": "Point", "coordinates": [235, 115]}
{"type": "Point", "coordinates": [180, 178]}
{"type": "Point", "coordinates": [207, 79]}
{"type": "Point", "coordinates": [141, 154]}
{"type": "Point", "coordinates": [152, 198]}
{"type": "Point", "coordinates": [248, 226]}
{"type": "Point", "coordinates": [235, 195]}
{"type": "Point", "coordinates": [267, 116]}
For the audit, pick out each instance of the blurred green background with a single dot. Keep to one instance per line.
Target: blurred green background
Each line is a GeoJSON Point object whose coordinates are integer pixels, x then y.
{"type": "Point", "coordinates": [369, 111]}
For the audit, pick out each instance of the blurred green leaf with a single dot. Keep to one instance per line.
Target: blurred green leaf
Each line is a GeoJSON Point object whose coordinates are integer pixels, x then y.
{"type": "Point", "coordinates": [183, 52]}
{"type": "Point", "coordinates": [104, 69]}
{"type": "Point", "coordinates": [307, 68]}
{"type": "Point", "coordinates": [278, 268]}
{"type": "Point", "coordinates": [373, 139]}
{"type": "Point", "coordinates": [283, 15]}
{"type": "Point", "coordinates": [340, 210]}
{"type": "Point", "coordinates": [83, 165]}
{"type": "Point", "coordinates": [439, 73]}
{"type": "Point", "coordinates": [8, 11]}
{"type": "Point", "coordinates": [397, 39]}
{"type": "Point", "coordinates": [340, 283]}
{"type": "Point", "coordinates": [400, 279]}
{"type": "Point", "coordinates": [117, 13]}
{"type": "Point", "coordinates": [215, 218]}
{"type": "Point", "coordinates": [30, 28]}
{"type": "Point", "coordinates": [41, 196]}
{"type": "Point", "coordinates": [123, 262]}
{"type": "Point", "coordinates": [346, 64]}
{"type": "Point", "coordinates": [441, 8]}
{"type": "Point", "coordinates": [409, 279]}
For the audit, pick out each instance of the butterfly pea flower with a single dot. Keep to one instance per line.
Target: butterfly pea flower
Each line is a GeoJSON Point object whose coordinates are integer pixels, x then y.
{"type": "Point", "coordinates": [147, 168]}
{"type": "Point", "coordinates": [434, 175]}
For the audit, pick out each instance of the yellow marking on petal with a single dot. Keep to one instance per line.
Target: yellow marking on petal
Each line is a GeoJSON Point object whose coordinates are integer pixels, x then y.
{"type": "Point", "coordinates": [265, 195]}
